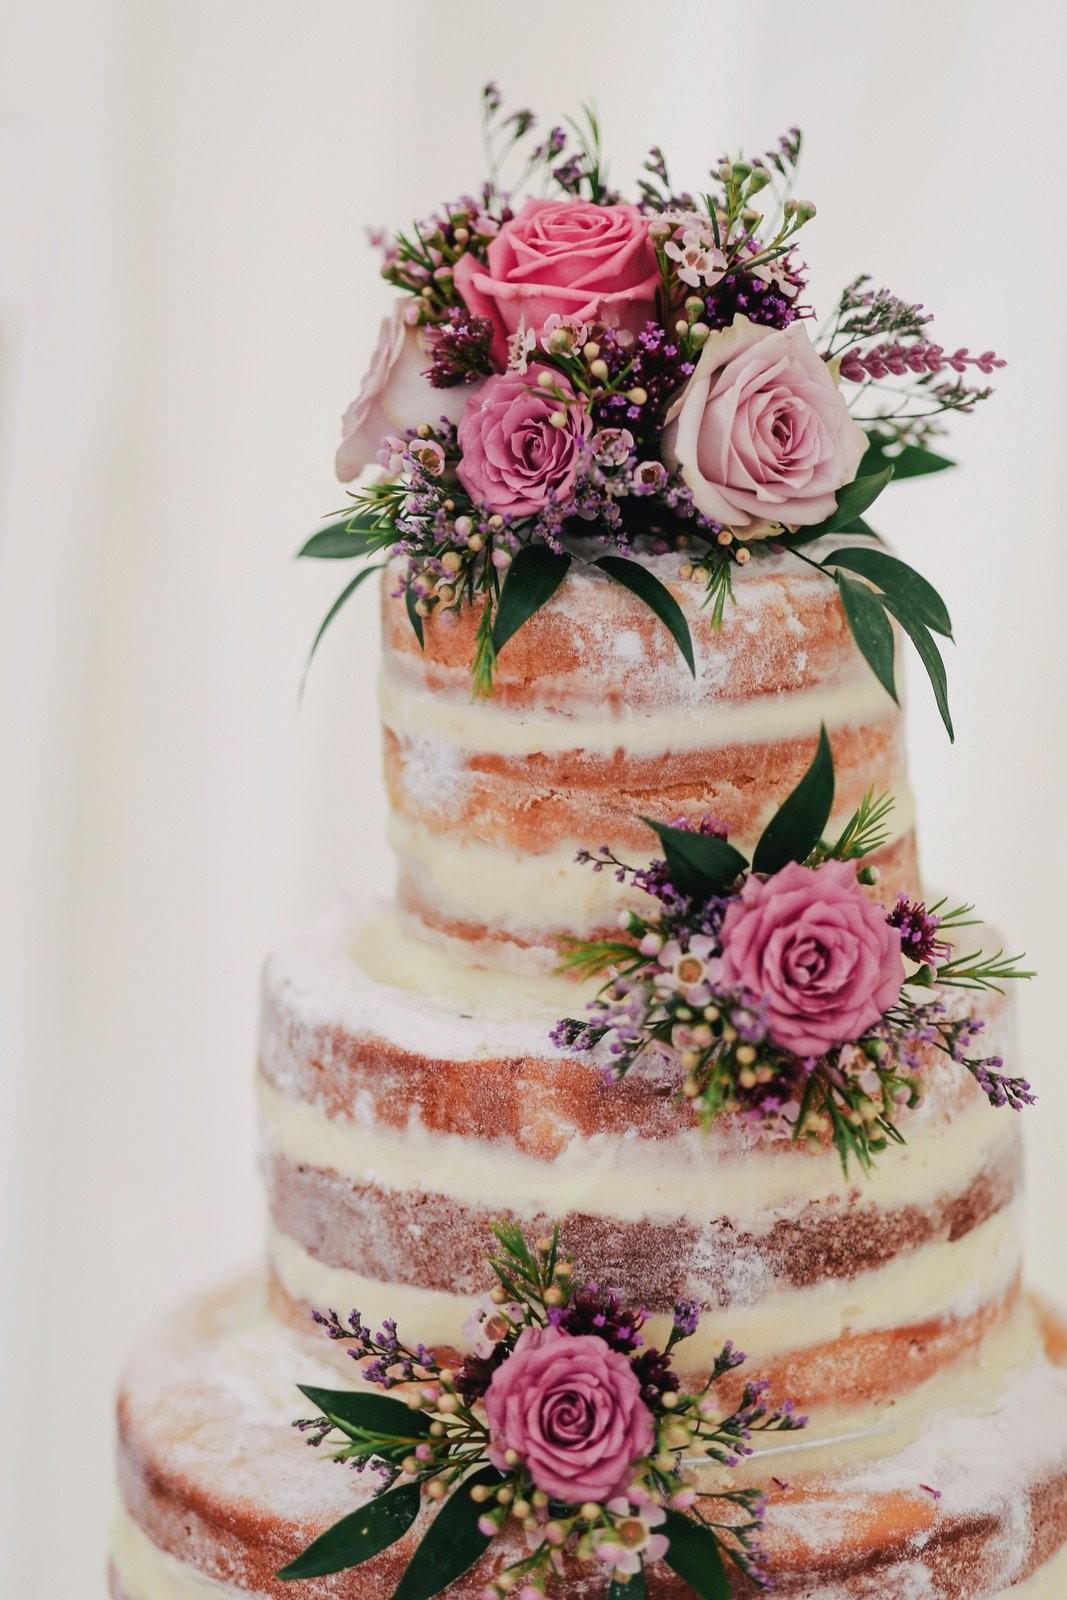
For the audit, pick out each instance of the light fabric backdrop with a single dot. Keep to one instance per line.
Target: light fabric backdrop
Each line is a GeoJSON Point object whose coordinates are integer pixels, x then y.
{"type": "Point", "coordinates": [186, 304]}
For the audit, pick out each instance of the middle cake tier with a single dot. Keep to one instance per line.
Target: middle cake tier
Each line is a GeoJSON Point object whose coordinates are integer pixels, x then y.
{"type": "Point", "coordinates": [595, 722]}
{"type": "Point", "coordinates": [409, 1101]}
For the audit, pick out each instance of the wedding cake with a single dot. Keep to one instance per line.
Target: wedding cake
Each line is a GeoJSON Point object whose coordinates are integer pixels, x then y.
{"type": "Point", "coordinates": [659, 1054]}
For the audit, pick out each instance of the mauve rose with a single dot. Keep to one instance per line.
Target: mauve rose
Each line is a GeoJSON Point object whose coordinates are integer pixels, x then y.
{"type": "Point", "coordinates": [513, 458]}
{"type": "Point", "coordinates": [760, 432]}
{"type": "Point", "coordinates": [566, 257]}
{"type": "Point", "coordinates": [571, 1409]}
{"type": "Point", "coordinates": [817, 951]}
{"type": "Point", "coordinates": [394, 396]}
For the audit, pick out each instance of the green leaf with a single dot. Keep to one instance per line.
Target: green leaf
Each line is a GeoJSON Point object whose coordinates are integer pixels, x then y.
{"type": "Point", "coordinates": [647, 587]}
{"type": "Point", "coordinates": [693, 1554]}
{"type": "Point", "coordinates": [911, 461]}
{"type": "Point", "coordinates": [357, 1412]}
{"type": "Point", "coordinates": [800, 821]}
{"type": "Point", "coordinates": [871, 629]}
{"type": "Point", "coordinates": [357, 1537]}
{"type": "Point", "coordinates": [414, 618]}
{"type": "Point", "coordinates": [452, 1544]}
{"type": "Point", "coordinates": [700, 864]}
{"type": "Point", "coordinates": [906, 586]}
{"type": "Point", "coordinates": [930, 656]}
{"type": "Point", "coordinates": [852, 502]}
{"type": "Point", "coordinates": [531, 581]}
{"type": "Point", "coordinates": [855, 497]}
{"type": "Point", "coordinates": [349, 536]}
{"type": "Point", "coordinates": [628, 1588]}
{"type": "Point", "coordinates": [346, 594]}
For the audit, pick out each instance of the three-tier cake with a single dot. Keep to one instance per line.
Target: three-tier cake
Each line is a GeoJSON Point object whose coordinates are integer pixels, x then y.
{"type": "Point", "coordinates": [689, 626]}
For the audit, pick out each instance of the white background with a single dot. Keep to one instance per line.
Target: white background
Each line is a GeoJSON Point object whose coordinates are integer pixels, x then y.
{"type": "Point", "coordinates": [186, 304]}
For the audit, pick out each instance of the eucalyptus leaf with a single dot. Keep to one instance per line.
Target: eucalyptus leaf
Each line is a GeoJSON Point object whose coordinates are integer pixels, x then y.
{"type": "Point", "coordinates": [357, 1537]}
{"type": "Point", "coordinates": [930, 656]}
{"type": "Point", "coordinates": [700, 864]}
{"type": "Point", "coordinates": [693, 1553]}
{"type": "Point", "coordinates": [531, 581]}
{"type": "Point", "coordinates": [647, 587]}
{"type": "Point", "coordinates": [452, 1543]}
{"type": "Point", "coordinates": [346, 594]}
{"type": "Point", "coordinates": [366, 1412]}
{"type": "Point", "coordinates": [414, 618]}
{"type": "Point", "coordinates": [899, 581]}
{"type": "Point", "coordinates": [800, 821]}
{"type": "Point", "coordinates": [871, 629]}
{"type": "Point", "coordinates": [910, 461]}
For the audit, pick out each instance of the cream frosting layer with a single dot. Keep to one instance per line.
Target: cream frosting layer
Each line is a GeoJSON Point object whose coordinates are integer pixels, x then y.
{"type": "Point", "coordinates": [412, 711]}
{"type": "Point", "coordinates": [942, 1280]}
{"type": "Point", "coordinates": [148, 1573]}
{"type": "Point", "coordinates": [473, 881]}
{"type": "Point", "coordinates": [633, 1180]}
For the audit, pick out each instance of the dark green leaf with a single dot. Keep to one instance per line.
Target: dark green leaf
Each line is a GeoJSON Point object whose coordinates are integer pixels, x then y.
{"type": "Point", "coordinates": [901, 582]}
{"type": "Point", "coordinates": [413, 617]}
{"type": "Point", "coordinates": [628, 1588]}
{"type": "Point", "coordinates": [366, 1412]}
{"type": "Point", "coordinates": [647, 587]}
{"type": "Point", "coordinates": [871, 629]}
{"type": "Point", "coordinates": [930, 656]}
{"type": "Point", "coordinates": [694, 1555]}
{"type": "Point", "coordinates": [852, 502]}
{"type": "Point", "coordinates": [912, 461]}
{"type": "Point", "coordinates": [800, 821]}
{"type": "Point", "coordinates": [532, 579]}
{"type": "Point", "coordinates": [346, 594]}
{"type": "Point", "coordinates": [352, 535]}
{"type": "Point", "coordinates": [700, 864]}
{"type": "Point", "coordinates": [855, 497]}
{"type": "Point", "coordinates": [452, 1544]}
{"type": "Point", "coordinates": [357, 1537]}
{"type": "Point", "coordinates": [857, 525]}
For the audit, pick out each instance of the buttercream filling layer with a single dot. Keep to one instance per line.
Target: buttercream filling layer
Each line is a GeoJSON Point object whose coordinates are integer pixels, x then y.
{"type": "Point", "coordinates": [413, 711]}
{"type": "Point", "coordinates": [939, 1282]}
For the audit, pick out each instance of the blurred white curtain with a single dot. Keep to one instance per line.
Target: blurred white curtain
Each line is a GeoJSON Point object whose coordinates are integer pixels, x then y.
{"type": "Point", "coordinates": [185, 306]}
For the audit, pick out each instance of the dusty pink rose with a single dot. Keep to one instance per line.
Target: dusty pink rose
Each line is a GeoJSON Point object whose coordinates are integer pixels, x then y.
{"type": "Point", "coordinates": [394, 396]}
{"type": "Point", "coordinates": [760, 432]}
{"type": "Point", "coordinates": [571, 1409]}
{"type": "Point", "coordinates": [514, 458]}
{"type": "Point", "coordinates": [817, 951]}
{"type": "Point", "coordinates": [566, 257]}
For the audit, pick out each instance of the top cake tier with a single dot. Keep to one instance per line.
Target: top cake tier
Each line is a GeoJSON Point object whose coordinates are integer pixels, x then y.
{"type": "Point", "coordinates": [596, 722]}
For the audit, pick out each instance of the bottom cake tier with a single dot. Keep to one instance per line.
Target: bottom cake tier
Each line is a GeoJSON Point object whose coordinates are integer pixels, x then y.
{"type": "Point", "coordinates": [218, 1492]}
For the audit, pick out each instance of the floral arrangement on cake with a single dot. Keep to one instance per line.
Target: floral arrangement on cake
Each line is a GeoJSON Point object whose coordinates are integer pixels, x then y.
{"type": "Point", "coordinates": [562, 1427]}
{"type": "Point", "coordinates": [573, 376]}
{"type": "Point", "coordinates": [778, 987]}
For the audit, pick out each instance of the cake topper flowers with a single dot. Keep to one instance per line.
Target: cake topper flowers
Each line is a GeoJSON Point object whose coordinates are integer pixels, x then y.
{"type": "Point", "coordinates": [574, 376]}
{"type": "Point", "coordinates": [562, 1438]}
{"type": "Point", "coordinates": [779, 988]}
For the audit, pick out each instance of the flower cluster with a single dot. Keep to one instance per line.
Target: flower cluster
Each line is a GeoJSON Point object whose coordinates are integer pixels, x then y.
{"type": "Point", "coordinates": [780, 989]}
{"type": "Point", "coordinates": [636, 374]}
{"type": "Point", "coordinates": [562, 1428]}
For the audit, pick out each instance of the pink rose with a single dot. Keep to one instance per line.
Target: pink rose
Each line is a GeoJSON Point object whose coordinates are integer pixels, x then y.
{"type": "Point", "coordinates": [761, 432]}
{"type": "Point", "coordinates": [571, 1409]}
{"type": "Point", "coordinates": [817, 951]}
{"type": "Point", "coordinates": [563, 257]}
{"type": "Point", "coordinates": [394, 396]}
{"type": "Point", "coordinates": [514, 459]}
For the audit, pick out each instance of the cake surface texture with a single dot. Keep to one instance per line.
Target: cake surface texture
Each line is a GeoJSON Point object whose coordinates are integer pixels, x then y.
{"type": "Point", "coordinates": [660, 1053]}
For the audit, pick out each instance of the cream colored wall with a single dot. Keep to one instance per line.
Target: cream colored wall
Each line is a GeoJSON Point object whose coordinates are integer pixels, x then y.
{"type": "Point", "coordinates": [185, 307]}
